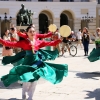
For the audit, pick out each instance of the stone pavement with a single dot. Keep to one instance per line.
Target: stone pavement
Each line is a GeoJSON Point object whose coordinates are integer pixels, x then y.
{"type": "Point", "coordinates": [82, 83]}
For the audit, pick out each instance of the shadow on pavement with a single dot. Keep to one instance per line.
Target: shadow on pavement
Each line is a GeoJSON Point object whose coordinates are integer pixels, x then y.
{"type": "Point", "coordinates": [93, 94]}
{"type": "Point", "coordinates": [12, 86]}
{"type": "Point", "coordinates": [88, 75]}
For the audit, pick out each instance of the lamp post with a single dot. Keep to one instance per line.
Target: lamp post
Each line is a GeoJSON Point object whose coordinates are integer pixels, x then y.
{"type": "Point", "coordinates": [5, 18]}
{"type": "Point", "coordinates": [87, 19]}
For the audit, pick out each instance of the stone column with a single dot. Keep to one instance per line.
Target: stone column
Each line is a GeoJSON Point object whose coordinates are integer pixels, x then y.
{"type": "Point", "coordinates": [56, 21]}
{"type": "Point", "coordinates": [13, 21]}
{"type": "Point", "coordinates": [77, 24]}
{"type": "Point", "coordinates": [93, 0]}
{"type": "Point", "coordinates": [34, 0]}
{"type": "Point", "coordinates": [77, 0]}
{"type": "Point", "coordinates": [92, 26]}
{"type": "Point", "coordinates": [35, 21]}
{"type": "Point", "coordinates": [56, 0]}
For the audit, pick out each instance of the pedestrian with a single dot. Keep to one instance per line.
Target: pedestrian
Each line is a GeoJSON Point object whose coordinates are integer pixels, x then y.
{"type": "Point", "coordinates": [55, 36]}
{"type": "Point", "coordinates": [79, 37]}
{"type": "Point", "coordinates": [85, 40]}
{"type": "Point", "coordinates": [14, 38]}
{"type": "Point", "coordinates": [32, 67]}
{"type": "Point", "coordinates": [7, 51]}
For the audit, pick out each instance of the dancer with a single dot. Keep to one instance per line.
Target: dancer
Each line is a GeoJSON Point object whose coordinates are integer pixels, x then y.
{"type": "Point", "coordinates": [32, 68]}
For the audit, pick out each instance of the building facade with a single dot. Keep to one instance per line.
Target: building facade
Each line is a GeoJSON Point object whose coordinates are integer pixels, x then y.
{"type": "Point", "coordinates": [59, 12]}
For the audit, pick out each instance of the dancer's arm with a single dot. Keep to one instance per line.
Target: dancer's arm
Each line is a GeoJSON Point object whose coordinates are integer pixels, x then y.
{"type": "Point", "coordinates": [50, 43]}
{"type": "Point", "coordinates": [10, 44]}
{"type": "Point", "coordinates": [44, 35]}
{"type": "Point", "coordinates": [23, 35]}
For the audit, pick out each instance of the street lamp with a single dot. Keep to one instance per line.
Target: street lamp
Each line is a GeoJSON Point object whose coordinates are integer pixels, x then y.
{"type": "Point", "coordinates": [5, 18]}
{"type": "Point", "coordinates": [87, 19]}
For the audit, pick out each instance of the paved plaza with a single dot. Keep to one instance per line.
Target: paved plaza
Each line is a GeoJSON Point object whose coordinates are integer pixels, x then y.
{"type": "Point", "coordinates": [82, 83]}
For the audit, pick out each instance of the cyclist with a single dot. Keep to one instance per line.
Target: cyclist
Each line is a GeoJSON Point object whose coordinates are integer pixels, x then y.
{"type": "Point", "coordinates": [65, 43]}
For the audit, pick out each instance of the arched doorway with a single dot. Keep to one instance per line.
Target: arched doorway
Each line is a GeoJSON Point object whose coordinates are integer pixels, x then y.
{"type": "Point", "coordinates": [45, 19]}
{"type": "Point", "coordinates": [43, 23]}
{"type": "Point", "coordinates": [63, 19]}
{"type": "Point", "coordinates": [66, 18]}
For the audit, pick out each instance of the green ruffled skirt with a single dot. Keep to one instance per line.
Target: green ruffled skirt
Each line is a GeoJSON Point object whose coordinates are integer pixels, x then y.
{"type": "Point", "coordinates": [19, 57]}
{"type": "Point", "coordinates": [32, 68]}
{"type": "Point", "coordinates": [94, 55]}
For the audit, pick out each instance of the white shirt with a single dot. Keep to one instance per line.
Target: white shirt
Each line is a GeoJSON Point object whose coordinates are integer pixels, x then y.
{"type": "Point", "coordinates": [14, 35]}
{"type": "Point", "coordinates": [79, 35]}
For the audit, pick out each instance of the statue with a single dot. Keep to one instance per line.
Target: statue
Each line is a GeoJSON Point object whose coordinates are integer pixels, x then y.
{"type": "Point", "coordinates": [30, 16]}
{"type": "Point", "coordinates": [22, 17]}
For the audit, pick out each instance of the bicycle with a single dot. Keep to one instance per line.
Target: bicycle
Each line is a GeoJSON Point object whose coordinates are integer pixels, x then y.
{"type": "Point", "coordinates": [73, 48]}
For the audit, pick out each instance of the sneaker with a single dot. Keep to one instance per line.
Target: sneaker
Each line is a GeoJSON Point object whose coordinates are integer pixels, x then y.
{"type": "Point", "coordinates": [85, 55]}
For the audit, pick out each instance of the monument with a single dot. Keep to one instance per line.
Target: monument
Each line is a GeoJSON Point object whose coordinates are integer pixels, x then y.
{"type": "Point", "coordinates": [24, 16]}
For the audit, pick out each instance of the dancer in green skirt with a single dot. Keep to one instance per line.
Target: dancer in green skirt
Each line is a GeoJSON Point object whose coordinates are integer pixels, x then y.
{"type": "Point", "coordinates": [33, 65]}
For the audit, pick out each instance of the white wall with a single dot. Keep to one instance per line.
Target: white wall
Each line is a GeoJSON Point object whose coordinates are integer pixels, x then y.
{"type": "Point", "coordinates": [55, 7]}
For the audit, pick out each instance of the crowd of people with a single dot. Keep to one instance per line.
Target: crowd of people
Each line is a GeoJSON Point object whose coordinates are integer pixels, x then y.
{"type": "Point", "coordinates": [81, 38]}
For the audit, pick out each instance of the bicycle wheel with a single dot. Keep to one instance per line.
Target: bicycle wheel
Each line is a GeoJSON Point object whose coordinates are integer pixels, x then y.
{"type": "Point", "coordinates": [73, 50]}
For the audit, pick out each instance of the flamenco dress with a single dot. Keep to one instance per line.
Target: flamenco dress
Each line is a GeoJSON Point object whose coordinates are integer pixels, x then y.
{"type": "Point", "coordinates": [95, 53]}
{"type": "Point", "coordinates": [32, 67]}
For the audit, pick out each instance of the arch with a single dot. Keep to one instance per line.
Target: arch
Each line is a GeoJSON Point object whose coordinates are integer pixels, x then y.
{"type": "Point", "coordinates": [63, 19]}
{"type": "Point", "coordinates": [47, 12]}
{"type": "Point", "coordinates": [70, 12]}
{"type": "Point", "coordinates": [45, 19]}
{"type": "Point", "coordinates": [67, 19]}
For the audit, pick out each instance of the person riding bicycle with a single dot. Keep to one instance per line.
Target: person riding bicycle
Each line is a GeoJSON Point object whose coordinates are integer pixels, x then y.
{"type": "Point", "coordinates": [65, 43]}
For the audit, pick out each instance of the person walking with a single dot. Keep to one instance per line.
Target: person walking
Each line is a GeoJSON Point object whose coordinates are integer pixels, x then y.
{"type": "Point", "coordinates": [56, 36]}
{"type": "Point", "coordinates": [79, 37]}
{"type": "Point", "coordinates": [14, 38]}
{"type": "Point", "coordinates": [85, 40]}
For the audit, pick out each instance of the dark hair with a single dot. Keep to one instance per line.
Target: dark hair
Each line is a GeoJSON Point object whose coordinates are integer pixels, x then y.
{"type": "Point", "coordinates": [29, 28]}
{"type": "Point", "coordinates": [79, 29]}
{"type": "Point", "coordinates": [13, 29]}
{"type": "Point", "coordinates": [6, 30]}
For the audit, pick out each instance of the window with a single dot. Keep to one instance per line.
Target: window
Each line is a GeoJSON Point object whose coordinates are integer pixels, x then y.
{"type": "Point", "coordinates": [23, 0]}
{"type": "Point", "coordinates": [84, 0]}
{"type": "Point", "coordinates": [66, 0]}
{"type": "Point", "coordinates": [42, 0]}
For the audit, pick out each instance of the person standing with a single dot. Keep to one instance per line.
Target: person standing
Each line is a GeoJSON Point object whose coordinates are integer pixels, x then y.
{"type": "Point", "coordinates": [56, 36]}
{"type": "Point", "coordinates": [85, 40]}
{"type": "Point", "coordinates": [79, 37]}
{"type": "Point", "coordinates": [14, 38]}
{"type": "Point", "coordinates": [7, 51]}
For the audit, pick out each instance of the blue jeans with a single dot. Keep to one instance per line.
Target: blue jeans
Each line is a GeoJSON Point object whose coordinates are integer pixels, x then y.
{"type": "Point", "coordinates": [86, 45]}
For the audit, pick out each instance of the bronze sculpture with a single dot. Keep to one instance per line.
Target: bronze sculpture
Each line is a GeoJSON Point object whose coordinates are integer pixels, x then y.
{"type": "Point", "coordinates": [24, 16]}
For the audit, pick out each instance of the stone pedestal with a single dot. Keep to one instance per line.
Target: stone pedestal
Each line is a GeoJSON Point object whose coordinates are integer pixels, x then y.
{"type": "Point", "coordinates": [22, 27]}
